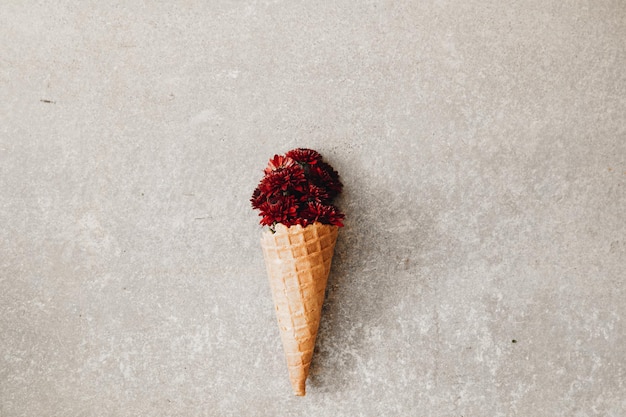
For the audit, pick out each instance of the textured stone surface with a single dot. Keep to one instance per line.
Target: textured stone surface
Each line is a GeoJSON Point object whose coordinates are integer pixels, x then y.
{"type": "Point", "coordinates": [483, 149]}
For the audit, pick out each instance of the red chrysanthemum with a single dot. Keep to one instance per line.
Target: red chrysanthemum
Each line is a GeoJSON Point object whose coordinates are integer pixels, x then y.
{"type": "Point", "coordinates": [279, 210]}
{"type": "Point", "coordinates": [258, 198]}
{"type": "Point", "coordinates": [283, 180]}
{"type": "Point", "coordinates": [304, 156]}
{"type": "Point", "coordinates": [315, 194]}
{"type": "Point", "coordinates": [277, 162]}
{"type": "Point", "coordinates": [326, 214]}
{"type": "Point", "coordinates": [326, 177]}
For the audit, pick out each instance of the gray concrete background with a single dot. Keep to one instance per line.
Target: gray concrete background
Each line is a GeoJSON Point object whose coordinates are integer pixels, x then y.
{"type": "Point", "coordinates": [483, 149]}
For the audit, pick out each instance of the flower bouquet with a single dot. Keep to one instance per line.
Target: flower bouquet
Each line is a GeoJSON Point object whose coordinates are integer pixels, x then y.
{"type": "Point", "coordinates": [294, 199]}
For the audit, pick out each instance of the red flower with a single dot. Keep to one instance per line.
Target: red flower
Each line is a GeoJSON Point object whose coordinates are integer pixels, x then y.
{"type": "Point", "coordinates": [283, 180]}
{"type": "Point", "coordinates": [326, 214]}
{"type": "Point", "coordinates": [279, 161]}
{"type": "Point", "coordinates": [326, 177]}
{"type": "Point", "coordinates": [315, 194]}
{"type": "Point", "coordinates": [257, 198]}
{"type": "Point", "coordinates": [279, 210]}
{"type": "Point", "coordinates": [304, 156]}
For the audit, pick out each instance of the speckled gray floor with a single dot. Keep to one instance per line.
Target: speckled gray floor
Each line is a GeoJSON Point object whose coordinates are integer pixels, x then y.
{"type": "Point", "coordinates": [483, 149]}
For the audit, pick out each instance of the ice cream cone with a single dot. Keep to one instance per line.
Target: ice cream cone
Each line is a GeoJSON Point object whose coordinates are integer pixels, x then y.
{"type": "Point", "coordinates": [298, 262]}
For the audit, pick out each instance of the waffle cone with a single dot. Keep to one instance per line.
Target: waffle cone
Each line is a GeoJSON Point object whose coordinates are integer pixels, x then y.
{"type": "Point", "coordinates": [298, 262]}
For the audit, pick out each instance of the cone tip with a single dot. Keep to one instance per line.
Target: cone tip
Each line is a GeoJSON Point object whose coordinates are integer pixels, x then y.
{"type": "Point", "coordinates": [299, 388]}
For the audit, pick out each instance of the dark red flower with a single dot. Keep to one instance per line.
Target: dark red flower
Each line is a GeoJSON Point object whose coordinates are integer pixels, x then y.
{"type": "Point", "coordinates": [304, 156]}
{"type": "Point", "coordinates": [304, 222]}
{"type": "Point", "coordinates": [279, 210]}
{"type": "Point", "coordinates": [326, 214]}
{"type": "Point", "coordinates": [323, 175]}
{"type": "Point", "coordinates": [277, 162]}
{"type": "Point", "coordinates": [315, 194]}
{"type": "Point", "coordinates": [257, 198]}
{"type": "Point", "coordinates": [283, 180]}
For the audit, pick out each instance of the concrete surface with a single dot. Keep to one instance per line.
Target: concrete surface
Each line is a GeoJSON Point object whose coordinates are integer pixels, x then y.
{"type": "Point", "coordinates": [483, 149]}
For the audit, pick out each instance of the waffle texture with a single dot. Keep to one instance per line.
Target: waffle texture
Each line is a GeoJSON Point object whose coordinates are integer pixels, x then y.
{"type": "Point", "coordinates": [298, 262]}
